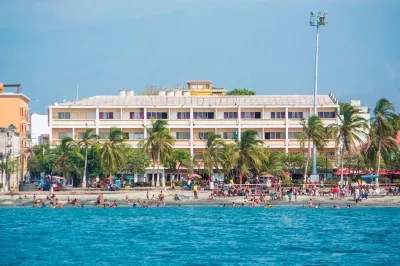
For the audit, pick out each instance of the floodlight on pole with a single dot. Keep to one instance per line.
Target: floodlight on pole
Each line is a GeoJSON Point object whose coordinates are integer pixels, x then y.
{"type": "Point", "coordinates": [316, 20]}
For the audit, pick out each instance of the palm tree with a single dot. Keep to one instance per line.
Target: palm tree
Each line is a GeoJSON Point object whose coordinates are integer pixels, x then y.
{"type": "Point", "coordinates": [229, 158]}
{"type": "Point", "coordinates": [252, 154]}
{"type": "Point", "coordinates": [160, 142]}
{"type": "Point", "coordinates": [370, 149]}
{"type": "Point", "coordinates": [63, 157]}
{"type": "Point", "coordinates": [349, 132]}
{"type": "Point", "coordinates": [384, 127]}
{"type": "Point", "coordinates": [163, 146]}
{"type": "Point", "coordinates": [213, 153]}
{"type": "Point", "coordinates": [313, 130]}
{"type": "Point", "coordinates": [89, 139]}
{"type": "Point", "coordinates": [111, 155]}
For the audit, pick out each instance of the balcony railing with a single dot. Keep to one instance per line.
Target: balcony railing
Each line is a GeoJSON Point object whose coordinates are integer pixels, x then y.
{"type": "Point", "coordinates": [263, 122]}
{"type": "Point", "coordinates": [73, 123]}
{"type": "Point", "coordinates": [216, 122]}
{"type": "Point", "coordinates": [121, 123]}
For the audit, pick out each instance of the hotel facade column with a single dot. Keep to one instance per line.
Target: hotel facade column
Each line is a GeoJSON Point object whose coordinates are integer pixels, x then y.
{"type": "Point", "coordinates": [191, 133]}
{"type": "Point", "coordinates": [145, 122]}
{"type": "Point", "coordinates": [97, 121]}
{"type": "Point", "coordinates": [50, 125]}
{"type": "Point", "coordinates": [286, 130]}
{"type": "Point", "coordinates": [239, 123]}
{"type": "Point", "coordinates": [73, 133]}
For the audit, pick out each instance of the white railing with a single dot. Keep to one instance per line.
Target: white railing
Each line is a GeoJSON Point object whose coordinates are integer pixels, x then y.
{"type": "Point", "coordinates": [74, 123]}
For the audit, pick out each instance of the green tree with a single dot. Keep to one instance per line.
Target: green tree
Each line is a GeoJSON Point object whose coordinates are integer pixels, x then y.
{"type": "Point", "coordinates": [159, 142]}
{"type": "Point", "coordinates": [229, 159]}
{"type": "Point", "coordinates": [88, 140]}
{"type": "Point", "coordinates": [348, 133]}
{"type": "Point", "coordinates": [212, 154]}
{"type": "Point", "coordinates": [241, 92]}
{"type": "Point", "coordinates": [111, 155]}
{"type": "Point", "coordinates": [294, 162]}
{"type": "Point", "coordinates": [176, 159]}
{"type": "Point", "coordinates": [137, 160]}
{"type": "Point", "coordinates": [252, 154]}
{"type": "Point", "coordinates": [313, 131]}
{"type": "Point", "coordinates": [64, 155]}
{"type": "Point", "coordinates": [384, 127]}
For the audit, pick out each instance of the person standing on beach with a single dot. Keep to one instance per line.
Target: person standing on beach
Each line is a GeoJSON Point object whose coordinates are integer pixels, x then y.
{"type": "Point", "coordinates": [310, 203]}
{"type": "Point", "coordinates": [195, 191]}
{"type": "Point", "coordinates": [161, 197]}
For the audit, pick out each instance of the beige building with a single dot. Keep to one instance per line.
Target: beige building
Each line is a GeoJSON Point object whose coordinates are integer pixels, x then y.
{"type": "Point", "coordinates": [275, 117]}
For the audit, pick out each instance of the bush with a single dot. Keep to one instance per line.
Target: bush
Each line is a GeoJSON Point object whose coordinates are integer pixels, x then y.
{"type": "Point", "coordinates": [143, 184]}
{"type": "Point", "coordinates": [176, 182]}
{"type": "Point", "coordinates": [331, 181]}
{"type": "Point", "coordinates": [1, 185]}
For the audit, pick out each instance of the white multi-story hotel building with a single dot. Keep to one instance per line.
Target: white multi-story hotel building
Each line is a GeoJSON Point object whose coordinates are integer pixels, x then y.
{"type": "Point", "coordinates": [275, 117]}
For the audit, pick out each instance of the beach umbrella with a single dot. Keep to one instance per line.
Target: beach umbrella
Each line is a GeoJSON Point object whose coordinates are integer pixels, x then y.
{"type": "Point", "coordinates": [195, 176]}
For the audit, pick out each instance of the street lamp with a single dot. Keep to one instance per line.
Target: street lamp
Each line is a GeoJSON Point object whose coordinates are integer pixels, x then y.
{"type": "Point", "coordinates": [316, 20]}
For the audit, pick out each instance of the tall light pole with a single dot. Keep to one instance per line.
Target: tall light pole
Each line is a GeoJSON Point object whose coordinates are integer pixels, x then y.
{"type": "Point", "coordinates": [316, 20]}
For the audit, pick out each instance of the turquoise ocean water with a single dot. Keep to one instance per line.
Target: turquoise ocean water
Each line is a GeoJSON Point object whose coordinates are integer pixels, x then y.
{"type": "Point", "coordinates": [200, 236]}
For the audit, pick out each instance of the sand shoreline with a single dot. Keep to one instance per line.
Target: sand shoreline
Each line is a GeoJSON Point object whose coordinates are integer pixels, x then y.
{"type": "Point", "coordinates": [89, 197]}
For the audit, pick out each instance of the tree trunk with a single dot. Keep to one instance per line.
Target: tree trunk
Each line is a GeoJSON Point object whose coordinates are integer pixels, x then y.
{"type": "Point", "coordinates": [152, 175]}
{"type": "Point", "coordinates": [307, 160]}
{"type": "Point", "coordinates": [158, 170]}
{"type": "Point", "coordinates": [341, 164]}
{"type": "Point", "coordinates": [84, 169]}
{"type": "Point", "coordinates": [379, 164]}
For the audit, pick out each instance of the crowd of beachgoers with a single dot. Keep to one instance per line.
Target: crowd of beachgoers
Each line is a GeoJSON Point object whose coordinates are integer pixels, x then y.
{"type": "Point", "coordinates": [226, 195]}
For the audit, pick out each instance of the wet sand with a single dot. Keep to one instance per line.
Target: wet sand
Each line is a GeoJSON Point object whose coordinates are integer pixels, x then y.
{"type": "Point", "coordinates": [89, 198]}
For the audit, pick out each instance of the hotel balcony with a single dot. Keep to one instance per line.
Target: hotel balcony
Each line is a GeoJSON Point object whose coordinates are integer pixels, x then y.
{"type": "Point", "coordinates": [263, 122]}
{"type": "Point", "coordinates": [70, 123]}
{"type": "Point", "coordinates": [296, 144]}
{"type": "Point", "coordinates": [215, 122]}
{"type": "Point", "coordinates": [275, 143]}
{"type": "Point", "coordinates": [121, 123]}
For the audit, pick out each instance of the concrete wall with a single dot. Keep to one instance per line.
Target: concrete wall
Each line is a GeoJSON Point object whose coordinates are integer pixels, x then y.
{"type": "Point", "coordinates": [39, 126]}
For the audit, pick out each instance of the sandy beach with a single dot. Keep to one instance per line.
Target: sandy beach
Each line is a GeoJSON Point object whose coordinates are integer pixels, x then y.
{"type": "Point", "coordinates": [89, 198]}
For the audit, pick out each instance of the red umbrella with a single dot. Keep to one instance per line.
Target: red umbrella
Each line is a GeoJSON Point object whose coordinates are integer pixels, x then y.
{"type": "Point", "coordinates": [397, 172]}
{"type": "Point", "coordinates": [383, 172]}
{"type": "Point", "coordinates": [345, 171]}
{"type": "Point", "coordinates": [195, 176]}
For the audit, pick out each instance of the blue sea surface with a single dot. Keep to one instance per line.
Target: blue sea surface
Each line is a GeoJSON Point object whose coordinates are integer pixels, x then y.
{"type": "Point", "coordinates": [200, 236]}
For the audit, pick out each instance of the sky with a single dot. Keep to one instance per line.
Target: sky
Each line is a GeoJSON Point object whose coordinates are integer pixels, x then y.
{"type": "Point", "coordinates": [265, 45]}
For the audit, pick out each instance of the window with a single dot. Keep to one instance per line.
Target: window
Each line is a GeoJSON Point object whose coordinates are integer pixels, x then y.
{"type": "Point", "coordinates": [136, 115]}
{"type": "Point", "coordinates": [104, 135]}
{"type": "Point", "coordinates": [203, 115]}
{"type": "Point", "coordinates": [293, 135]}
{"type": "Point", "coordinates": [197, 86]}
{"type": "Point", "coordinates": [251, 115]}
{"type": "Point", "coordinates": [294, 115]}
{"type": "Point", "coordinates": [326, 114]}
{"type": "Point", "coordinates": [182, 135]}
{"type": "Point", "coordinates": [136, 135]}
{"type": "Point", "coordinates": [230, 115]}
{"type": "Point", "coordinates": [157, 115]}
{"type": "Point", "coordinates": [183, 115]}
{"type": "Point", "coordinates": [274, 135]}
{"type": "Point", "coordinates": [64, 115]}
{"type": "Point", "coordinates": [277, 115]}
{"type": "Point", "coordinates": [80, 135]}
{"type": "Point", "coordinates": [62, 135]}
{"type": "Point", "coordinates": [106, 115]}
{"type": "Point", "coordinates": [203, 135]}
{"type": "Point", "coordinates": [229, 135]}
